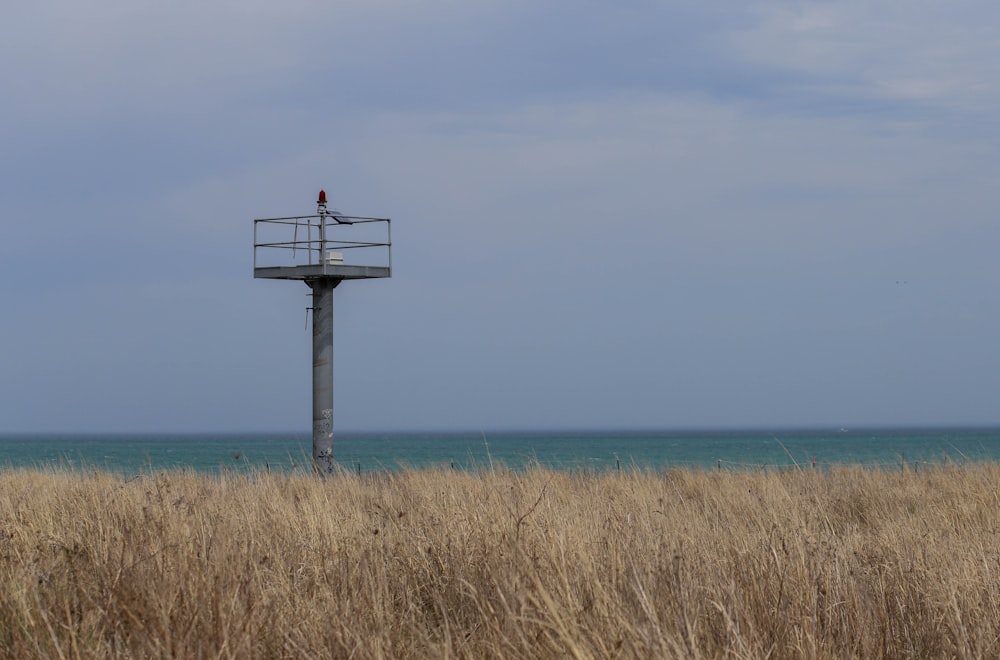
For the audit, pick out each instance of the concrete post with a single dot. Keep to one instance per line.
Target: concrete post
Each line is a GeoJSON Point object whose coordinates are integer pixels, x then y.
{"type": "Point", "coordinates": [322, 450]}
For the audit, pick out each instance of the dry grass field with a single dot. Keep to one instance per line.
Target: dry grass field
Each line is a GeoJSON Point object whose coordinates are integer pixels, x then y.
{"type": "Point", "coordinates": [435, 563]}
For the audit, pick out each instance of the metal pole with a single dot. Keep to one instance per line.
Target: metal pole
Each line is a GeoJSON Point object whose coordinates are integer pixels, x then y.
{"type": "Point", "coordinates": [322, 293]}
{"type": "Point", "coordinates": [322, 239]}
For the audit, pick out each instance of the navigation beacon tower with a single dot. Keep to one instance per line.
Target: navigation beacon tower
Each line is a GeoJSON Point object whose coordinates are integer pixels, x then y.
{"type": "Point", "coordinates": [322, 250]}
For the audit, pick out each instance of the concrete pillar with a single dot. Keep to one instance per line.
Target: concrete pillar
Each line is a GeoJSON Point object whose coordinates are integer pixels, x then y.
{"type": "Point", "coordinates": [322, 303]}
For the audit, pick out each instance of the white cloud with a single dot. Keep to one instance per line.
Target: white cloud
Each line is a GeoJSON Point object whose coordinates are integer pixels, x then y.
{"type": "Point", "coordinates": [940, 54]}
{"type": "Point", "coordinates": [724, 196]}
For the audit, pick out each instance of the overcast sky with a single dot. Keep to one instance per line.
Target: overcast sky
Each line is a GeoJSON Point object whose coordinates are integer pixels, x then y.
{"type": "Point", "coordinates": [605, 214]}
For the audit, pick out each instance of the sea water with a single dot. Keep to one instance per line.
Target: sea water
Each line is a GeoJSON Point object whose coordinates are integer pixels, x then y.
{"type": "Point", "coordinates": [478, 450]}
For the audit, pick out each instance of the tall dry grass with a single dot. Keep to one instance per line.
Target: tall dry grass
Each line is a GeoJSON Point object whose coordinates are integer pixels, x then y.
{"type": "Point", "coordinates": [434, 563]}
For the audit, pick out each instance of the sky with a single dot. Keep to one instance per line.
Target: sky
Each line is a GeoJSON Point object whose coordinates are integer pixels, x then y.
{"type": "Point", "coordinates": [605, 215]}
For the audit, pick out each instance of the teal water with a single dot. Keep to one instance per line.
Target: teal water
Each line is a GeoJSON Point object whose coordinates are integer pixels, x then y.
{"type": "Point", "coordinates": [565, 450]}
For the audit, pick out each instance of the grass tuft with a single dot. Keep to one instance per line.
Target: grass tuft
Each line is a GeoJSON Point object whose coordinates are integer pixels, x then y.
{"type": "Point", "coordinates": [794, 564]}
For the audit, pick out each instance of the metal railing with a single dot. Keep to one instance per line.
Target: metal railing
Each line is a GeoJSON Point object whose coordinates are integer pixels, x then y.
{"type": "Point", "coordinates": [321, 240]}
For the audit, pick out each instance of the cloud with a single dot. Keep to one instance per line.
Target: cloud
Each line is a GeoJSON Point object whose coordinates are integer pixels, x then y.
{"type": "Point", "coordinates": [939, 56]}
{"type": "Point", "coordinates": [638, 214]}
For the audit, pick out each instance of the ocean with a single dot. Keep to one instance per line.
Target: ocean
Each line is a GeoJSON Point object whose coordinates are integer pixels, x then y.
{"type": "Point", "coordinates": [562, 450]}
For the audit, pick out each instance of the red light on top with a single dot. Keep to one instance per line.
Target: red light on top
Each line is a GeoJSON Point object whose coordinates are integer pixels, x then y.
{"type": "Point", "coordinates": [322, 197]}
